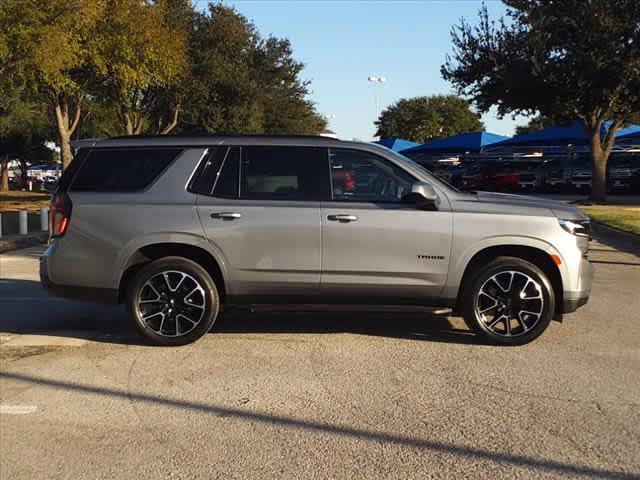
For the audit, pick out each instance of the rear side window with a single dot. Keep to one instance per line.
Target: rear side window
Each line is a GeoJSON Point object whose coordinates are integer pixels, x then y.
{"type": "Point", "coordinates": [70, 172]}
{"type": "Point", "coordinates": [284, 173]}
{"type": "Point", "coordinates": [122, 170]}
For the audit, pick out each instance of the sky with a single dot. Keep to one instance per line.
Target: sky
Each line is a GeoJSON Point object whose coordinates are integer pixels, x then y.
{"type": "Point", "coordinates": [343, 42]}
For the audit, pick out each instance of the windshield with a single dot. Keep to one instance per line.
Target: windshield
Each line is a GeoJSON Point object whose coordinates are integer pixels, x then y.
{"type": "Point", "coordinates": [415, 165]}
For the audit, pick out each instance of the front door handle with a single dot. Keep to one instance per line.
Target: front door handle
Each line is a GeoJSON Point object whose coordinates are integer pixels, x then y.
{"type": "Point", "coordinates": [226, 215]}
{"type": "Point", "coordinates": [342, 218]}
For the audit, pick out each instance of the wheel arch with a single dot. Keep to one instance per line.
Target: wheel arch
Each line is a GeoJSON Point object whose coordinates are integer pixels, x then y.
{"type": "Point", "coordinates": [152, 251]}
{"type": "Point", "coordinates": [535, 255]}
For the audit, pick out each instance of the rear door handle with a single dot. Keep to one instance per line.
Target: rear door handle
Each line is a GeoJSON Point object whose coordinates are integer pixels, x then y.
{"type": "Point", "coordinates": [226, 215]}
{"type": "Point", "coordinates": [343, 218]}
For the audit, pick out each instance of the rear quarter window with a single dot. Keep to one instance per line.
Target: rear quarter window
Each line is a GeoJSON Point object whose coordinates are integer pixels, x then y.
{"type": "Point", "coordinates": [122, 170]}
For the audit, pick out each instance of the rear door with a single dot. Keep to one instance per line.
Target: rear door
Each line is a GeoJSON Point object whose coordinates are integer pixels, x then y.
{"type": "Point", "coordinates": [260, 208]}
{"type": "Point", "coordinates": [375, 246]}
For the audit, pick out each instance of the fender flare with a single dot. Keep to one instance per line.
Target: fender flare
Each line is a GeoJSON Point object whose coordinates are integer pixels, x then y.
{"type": "Point", "coordinates": [460, 264]}
{"type": "Point", "coordinates": [128, 252]}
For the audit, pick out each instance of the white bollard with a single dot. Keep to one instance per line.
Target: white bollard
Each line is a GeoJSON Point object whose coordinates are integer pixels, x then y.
{"type": "Point", "coordinates": [44, 219]}
{"type": "Point", "coordinates": [22, 220]}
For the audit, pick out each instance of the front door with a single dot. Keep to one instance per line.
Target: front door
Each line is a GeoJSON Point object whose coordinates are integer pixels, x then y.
{"type": "Point", "coordinates": [375, 246]}
{"type": "Point", "coordinates": [263, 217]}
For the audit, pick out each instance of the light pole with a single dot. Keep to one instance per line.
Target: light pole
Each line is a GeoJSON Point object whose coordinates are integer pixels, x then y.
{"type": "Point", "coordinates": [377, 81]}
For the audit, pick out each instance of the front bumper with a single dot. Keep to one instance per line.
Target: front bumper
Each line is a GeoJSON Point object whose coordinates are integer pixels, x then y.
{"type": "Point", "coordinates": [572, 300]}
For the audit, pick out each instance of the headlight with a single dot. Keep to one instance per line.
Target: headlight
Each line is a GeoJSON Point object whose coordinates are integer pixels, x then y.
{"type": "Point", "coordinates": [579, 228]}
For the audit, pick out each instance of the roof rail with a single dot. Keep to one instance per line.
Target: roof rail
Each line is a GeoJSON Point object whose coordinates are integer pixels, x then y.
{"type": "Point", "coordinates": [218, 135]}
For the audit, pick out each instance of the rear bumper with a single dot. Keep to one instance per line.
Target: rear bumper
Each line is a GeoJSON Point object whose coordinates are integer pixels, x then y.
{"type": "Point", "coordinates": [90, 294]}
{"type": "Point", "coordinates": [572, 300]}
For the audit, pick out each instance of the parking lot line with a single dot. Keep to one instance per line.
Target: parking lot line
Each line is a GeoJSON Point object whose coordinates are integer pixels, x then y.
{"type": "Point", "coordinates": [17, 409]}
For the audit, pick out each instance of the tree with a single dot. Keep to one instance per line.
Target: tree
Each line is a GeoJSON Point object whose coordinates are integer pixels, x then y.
{"type": "Point", "coordinates": [140, 55]}
{"type": "Point", "coordinates": [241, 83]}
{"type": "Point", "coordinates": [23, 128]}
{"type": "Point", "coordinates": [575, 59]}
{"type": "Point", "coordinates": [52, 46]}
{"type": "Point", "coordinates": [282, 94]}
{"type": "Point", "coordinates": [535, 124]}
{"type": "Point", "coordinates": [421, 119]}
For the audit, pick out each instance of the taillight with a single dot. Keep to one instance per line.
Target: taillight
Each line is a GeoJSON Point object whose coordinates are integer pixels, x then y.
{"type": "Point", "coordinates": [60, 214]}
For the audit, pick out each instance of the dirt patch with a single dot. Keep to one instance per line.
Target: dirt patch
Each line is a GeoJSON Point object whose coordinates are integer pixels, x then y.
{"type": "Point", "coordinates": [10, 354]}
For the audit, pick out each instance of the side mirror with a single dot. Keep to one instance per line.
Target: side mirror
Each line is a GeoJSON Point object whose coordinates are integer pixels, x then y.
{"type": "Point", "coordinates": [423, 196]}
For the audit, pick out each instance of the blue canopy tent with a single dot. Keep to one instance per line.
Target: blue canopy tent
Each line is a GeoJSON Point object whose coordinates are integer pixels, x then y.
{"type": "Point", "coordinates": [628, 139]}
{"type": "Point", "coordinates": [396, 144]}
{"type": "Point", "coordinates": [557, 138]}
{"type": "Point", "coordinates": [468, 142]}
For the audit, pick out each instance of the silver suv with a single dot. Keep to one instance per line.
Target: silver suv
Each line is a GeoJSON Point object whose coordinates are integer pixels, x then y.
{"type": "Point", "coordinates": [179, 227]}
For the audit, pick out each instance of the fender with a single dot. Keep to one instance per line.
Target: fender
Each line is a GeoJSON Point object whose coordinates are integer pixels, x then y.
{"type": "Point", "coordinates": [459, 264]}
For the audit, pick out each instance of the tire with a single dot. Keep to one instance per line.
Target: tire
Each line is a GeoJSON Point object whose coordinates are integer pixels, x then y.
{"type": "Point", "coordinates": [508, 287]}
{"type": "Point", "coordinates": [173, 301]}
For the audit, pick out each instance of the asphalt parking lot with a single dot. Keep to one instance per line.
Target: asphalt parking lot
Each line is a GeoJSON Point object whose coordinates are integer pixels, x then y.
{"type": "Point", "coordinates": [340, 394]}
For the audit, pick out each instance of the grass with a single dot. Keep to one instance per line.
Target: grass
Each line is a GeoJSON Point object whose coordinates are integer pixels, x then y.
{"type": "Point", "coordinates": [13, 201]}
{"type": "Point", "coordinates": [622, 217]}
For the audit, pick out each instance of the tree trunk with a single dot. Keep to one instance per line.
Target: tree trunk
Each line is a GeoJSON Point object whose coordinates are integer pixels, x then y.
{"type": "Point", "coordinates": [600, 149]}
{"type": "Point", "coordinates": [166, 129]}
{"type": "Point", "coordinates": [133, 123]}
{"type": "Point", "coordinates": [4, 173]}
{"type": "Point", "coordinates": [65, 126]}
{"type": "Point", "coordinates": [599, 159]}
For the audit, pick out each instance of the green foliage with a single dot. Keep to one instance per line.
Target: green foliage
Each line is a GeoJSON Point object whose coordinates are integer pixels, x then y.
{"type": "Point", "coordinates": [241, 83]}
{"type": "Point", "coordinates": [421, 119]}
{"type": "Point", "coordinates": [567, 60]}
{"type": "Point", "coordinates": [100, 68]}
{"type": "Point", "coordinates": [139, 53]}
{"type": "Point", "coordinates": [535, 124]}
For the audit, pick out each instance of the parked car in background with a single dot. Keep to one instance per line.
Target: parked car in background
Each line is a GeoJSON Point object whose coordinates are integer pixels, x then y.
{"type": "Point", "coordinates": [621, 171]}
{"type": "Point", "coordinates": [579, 173]}
{"type": "Point", "coordinates": [495, 175]}
{"type": "Point", "coordinates": [557, 174]}
{"type": "Point", "coordinates": [530, 174]}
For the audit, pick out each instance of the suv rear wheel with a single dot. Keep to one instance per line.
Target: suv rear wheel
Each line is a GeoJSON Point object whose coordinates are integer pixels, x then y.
{"type": "Point", "coordinates": [510, 301]}
{"type": "Point", "coordinates": [173, 301]}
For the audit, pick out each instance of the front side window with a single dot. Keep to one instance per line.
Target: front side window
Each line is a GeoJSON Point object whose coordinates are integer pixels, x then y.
{"type": "Point", "coordinates": [365, 177]}
{"type": "Point", "coordinates": [284, 173]}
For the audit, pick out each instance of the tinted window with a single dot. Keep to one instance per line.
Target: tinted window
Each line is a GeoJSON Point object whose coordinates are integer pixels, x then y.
{"type": "Point", "coordinates": [72, 169]}
{"type": "Point", "coordinates": [122, 170]}
{"type": "Point", "coordinates": [207, 172]}
{"type": "Point", "coordinates": [285, 173]}
{"type": "Point", "coordinates": [364, 177]}
{"type": "Point", "coordinates": [227, 181]}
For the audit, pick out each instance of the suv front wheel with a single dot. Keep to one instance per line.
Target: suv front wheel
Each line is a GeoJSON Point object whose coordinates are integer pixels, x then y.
{"type": "Point", "coordinates": [173, 301]}
{"type": "Point", "coordinates": [510, 301]}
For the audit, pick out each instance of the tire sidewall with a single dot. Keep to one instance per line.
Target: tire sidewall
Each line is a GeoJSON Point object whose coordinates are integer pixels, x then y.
{"type": "Point", "coordinates": [519, 265]}
{"type": "Point", "coordinates": [177, 264]}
